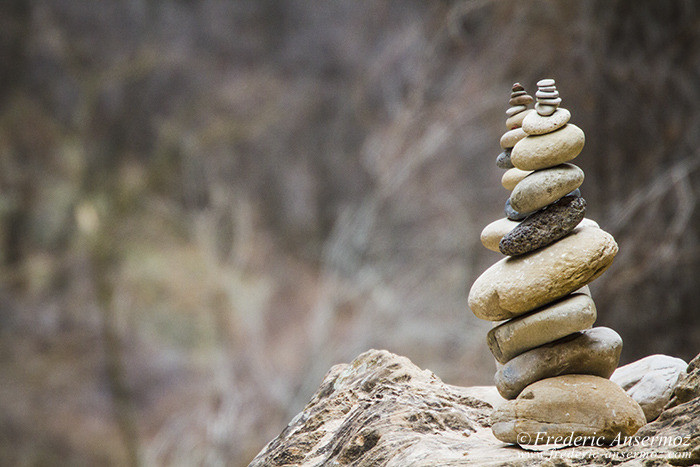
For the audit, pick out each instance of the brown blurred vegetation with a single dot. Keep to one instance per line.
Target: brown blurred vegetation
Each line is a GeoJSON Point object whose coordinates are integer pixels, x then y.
{"type": "Point", "coordinates": [204, 205]}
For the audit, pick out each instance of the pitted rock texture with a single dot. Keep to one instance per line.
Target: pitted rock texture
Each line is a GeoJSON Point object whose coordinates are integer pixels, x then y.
{"type": "Point", "coordinates": [381, 410]}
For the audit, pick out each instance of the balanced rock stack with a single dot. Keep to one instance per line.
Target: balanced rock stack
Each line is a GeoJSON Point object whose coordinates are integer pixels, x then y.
{"type": "Point", "coordinates": [552, 365]}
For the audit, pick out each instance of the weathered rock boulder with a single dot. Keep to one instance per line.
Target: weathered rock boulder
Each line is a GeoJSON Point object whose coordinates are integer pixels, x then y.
{"type": "Point", "coordinates": [651, 381]}
{"type": "Point", "coordinates": [381, 410]}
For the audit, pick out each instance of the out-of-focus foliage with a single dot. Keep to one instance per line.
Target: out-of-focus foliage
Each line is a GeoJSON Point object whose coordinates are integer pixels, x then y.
{"type": "Point", "coordinates": [204, 205]}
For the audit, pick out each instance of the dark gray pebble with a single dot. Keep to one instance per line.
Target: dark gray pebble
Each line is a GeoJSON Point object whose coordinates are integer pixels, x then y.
{"type": "Point", "coordinates": [544, 226]}
{"type": "Point", "coordinates": [503, 160]}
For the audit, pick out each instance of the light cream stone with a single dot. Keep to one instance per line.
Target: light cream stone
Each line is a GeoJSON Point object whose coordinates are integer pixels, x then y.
{"type": "Point", "coordinates": [589, 352]}
{"type": "Point", "coordinates": [511, 137]}
{"type": "Point", "coordinates": [543, 151]}
{"type": "Point", "coordinates": [573, 313]}
{"type": "Point", "coordinates": [516, 285]}
{"type": "Point", "coordinates": [516, 121]}
{"type": "Point", "coordinates": [650, 381]}
{"type": "Point", "coordinates": [536, 124]}
{"type": "Point", "coordinates": [543, 187]}
{"type": "Point", "coordinates": [512, 177]}
{"type": "Point", "coordinates": [494, 232]}
{"type": "Point", "coordinates": [584, 405]}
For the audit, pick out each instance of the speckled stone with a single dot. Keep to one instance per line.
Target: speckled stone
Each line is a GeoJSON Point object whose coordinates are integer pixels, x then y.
{"type": "Point", "coordinates": [543, 187]}
{"type": "Point", "coordinates": [512, 177]}
{"type": "Point", "coordinates": [536, 124]}
{"type": "Point", "coordinates": [593, 351]}
{"type": "Point", "coordinates": [544, 226]}
{"type": "Point", "coordinates": [503, 160]}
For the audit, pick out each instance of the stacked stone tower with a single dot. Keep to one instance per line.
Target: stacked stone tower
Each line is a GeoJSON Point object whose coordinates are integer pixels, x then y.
{"type": "Point", "coordinates": [553, 366]}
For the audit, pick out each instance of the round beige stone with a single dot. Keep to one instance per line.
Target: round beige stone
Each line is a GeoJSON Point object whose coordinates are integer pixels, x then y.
{"type": "Point", "coordinates": [516, 121]}
{"type": "Point", "coordinates": [543, 187]}
{"type": "Point", "coordinates": [543, 151]}
{"type": "Point", "coordinates": [584, 405]}
{"type": "Point", "coordinates": [516, 285]}
{"type": "Point", "coordinates": [512, 177]}
{"type": "Point", "coordinates": [493, 233]}
{"type": "Point", "coordinates": [511, 137]}
{"type": "Point", "coordinates": [573, 313]}
{"type": "Point", "coordinates": [536, 124]}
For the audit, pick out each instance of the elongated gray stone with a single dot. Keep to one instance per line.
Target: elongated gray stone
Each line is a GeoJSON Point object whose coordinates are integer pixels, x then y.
{"type": "Point", "coordinates": [590, 352]}
{"type": "Point", "coordinates": [543, 187]}
{"type": "Point", "coordinates": [573, 313]}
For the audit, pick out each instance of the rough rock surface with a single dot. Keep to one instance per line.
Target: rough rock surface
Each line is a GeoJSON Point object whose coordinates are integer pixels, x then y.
{"type": "Point", "coordinates": [650, 381]}
{"type": "Point", "coordinates": [516, 285]}
{"type": "Point", "coordinates": [544, 227]}
{"type": "Point", "coordinates": [381, 410]}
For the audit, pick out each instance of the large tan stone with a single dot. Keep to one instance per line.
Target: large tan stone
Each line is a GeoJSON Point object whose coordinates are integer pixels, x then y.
{"type": "Point", "coordinates": [573, 313]}
{"type": "Point", "coordinates": [590, 352]}
{"type": "Point", "coordinates": [516, 285]}
{"type": "Point", "coordinates": [584, 405]}
{"type": "Point", "coordinates": [536, 124]}
{"type": "Point", "coordinates": [542, 151]}
{"type": "Point", "coordinates": [543, 187]}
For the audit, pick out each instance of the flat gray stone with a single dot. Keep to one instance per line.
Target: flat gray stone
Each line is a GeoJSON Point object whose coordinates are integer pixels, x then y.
{"type": "Point", "coordinates": [591, 352]}
{"type": "Point", "coordinates": [572, 313]}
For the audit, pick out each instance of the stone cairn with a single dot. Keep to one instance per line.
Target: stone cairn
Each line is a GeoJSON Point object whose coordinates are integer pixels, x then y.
{"type": "Point", "coordinates": [553, 367]}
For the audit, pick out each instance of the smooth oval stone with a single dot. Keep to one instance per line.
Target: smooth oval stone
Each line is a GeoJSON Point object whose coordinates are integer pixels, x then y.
{"type": "Point", "coordinates": [589, 352]}
{"type": "Point", "coordinates": [572, 313]}
{"type": "Point", "coordinates": [650, 381]}
{"type": "Point", "coordinates": [515, 110]}
{"type": "Point", "coordinates": [536, 124]}
{"type": "Point", "coordinates": [547, 88]}
{"type": "Point", "coordinates": [516, 120]}
{"type": "Point", "coordinates": [503, 160]}
{"type": "Point", "coordinates": [511, 137]}
{"type": "Point", "coordinates": [544, 226]}
{"type": "Point", "coordinates": [545, 110]}
{"type": "Point", "coordinates": [517, 87]}
{"type": "Point", "coordinates": [543, 187]}
{"type": "Point", "coordinates": [576, 405]}
{"type": "Point", "coordinates": [545, 82]}
{"type": "Point", "coordinates": [518, 284]}
{"type": "Point", "coordinates": [553, 102]}
{"type": "Point", "coordinates": [542, 94]}
{"type": "Point", "coordinates": [494, 232]}
{"type": "Point", "coordinates": [512, 177]}
{"type": "Point", "coordinates": [514, 215]}
{"type": "Point", "coordinates": [544, 151]}
{"type": "Point", "coordinates": [524, 99]}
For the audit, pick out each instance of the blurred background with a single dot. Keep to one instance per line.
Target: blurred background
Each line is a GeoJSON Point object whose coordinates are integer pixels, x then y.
{"type": "Point", "coordinates": [204, 205]}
